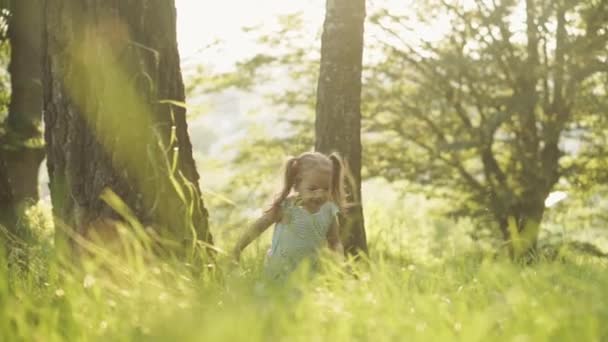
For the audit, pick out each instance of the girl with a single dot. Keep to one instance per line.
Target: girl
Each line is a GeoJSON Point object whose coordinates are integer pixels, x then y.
{"type": "Point", "coordinates": [306, 219]}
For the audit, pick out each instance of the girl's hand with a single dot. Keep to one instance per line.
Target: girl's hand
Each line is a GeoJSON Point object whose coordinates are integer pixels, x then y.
{"type": "Point", "coordinates": [333, 238]}
{"type": "Point", "coordinates": [235, 256]}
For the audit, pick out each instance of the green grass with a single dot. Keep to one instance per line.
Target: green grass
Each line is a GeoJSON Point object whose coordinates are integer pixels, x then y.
{"type": "Point", "coordinates": [429, 284]}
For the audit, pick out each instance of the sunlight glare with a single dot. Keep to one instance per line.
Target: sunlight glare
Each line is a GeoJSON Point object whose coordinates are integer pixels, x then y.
{"type": "Point", "coordinates": [554, 198]}
{"type": "Point", "coordinates": [202, 22]}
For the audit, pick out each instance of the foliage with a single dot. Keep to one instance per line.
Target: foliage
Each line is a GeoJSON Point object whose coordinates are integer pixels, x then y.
{"type": "Point", "coordinates": [486, 109]}
{"type": "Point", "coordinates": [5, 83]}
{"type": "Point", "coordinates": [589, 167]}
{"type": "Point", "coordinates": [580, 216]}
{"type": "Point", "coordinates": [492, 113]}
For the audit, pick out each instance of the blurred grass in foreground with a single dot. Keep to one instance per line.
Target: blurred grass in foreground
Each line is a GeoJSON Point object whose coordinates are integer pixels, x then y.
{"type": "Point", "coordinates": [430, 284]}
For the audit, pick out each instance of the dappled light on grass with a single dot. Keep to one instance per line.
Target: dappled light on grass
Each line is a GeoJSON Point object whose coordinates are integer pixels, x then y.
{"type": "Point", "coordinates": [461, 300]}
{"type": "Point", "coordinates": [399, 293]}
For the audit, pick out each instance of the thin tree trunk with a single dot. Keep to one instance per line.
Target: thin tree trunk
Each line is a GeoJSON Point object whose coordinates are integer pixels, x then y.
{"type": "Point", "coordinates": [338, 111]}
{"type": "Point", "coordinates": [7, 210]}
{"type": "Point", "coordinates": [108, 66]}
{"type": "Point", "coordinates": [23, 149]}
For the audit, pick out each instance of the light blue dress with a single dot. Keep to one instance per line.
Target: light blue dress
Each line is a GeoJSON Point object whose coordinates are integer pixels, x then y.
{"type": "Point", "coordinates": [298, 236]}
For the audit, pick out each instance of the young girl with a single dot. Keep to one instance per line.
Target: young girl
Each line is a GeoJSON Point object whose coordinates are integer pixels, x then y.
{"type": "Point", "coordinates": [304, 220]}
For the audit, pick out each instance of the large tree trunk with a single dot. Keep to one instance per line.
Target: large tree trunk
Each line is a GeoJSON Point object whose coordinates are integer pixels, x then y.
{"type": "Point", "coordinates": [109, 67]}
{"type": "Point", "coordinates": [338, 112]}
{"type": "Point", "coordinates": [23, 149]}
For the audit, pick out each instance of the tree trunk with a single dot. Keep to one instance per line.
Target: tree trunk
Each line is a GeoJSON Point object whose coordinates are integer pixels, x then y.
{"type": "Point", "coordinates": [23, 148]}
{"type": "Point", "coordinates": [7, 210]}
{"type": "Point", "coordinates": [338, 111]}
{"type": "Point", "coordinates": [109, 69]}
{"type": "Point", "coordinates": [520, 226]}
{"type": "Point", "coordinates": [7, 214]}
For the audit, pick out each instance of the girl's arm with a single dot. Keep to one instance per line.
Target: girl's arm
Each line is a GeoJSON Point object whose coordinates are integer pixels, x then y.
{"type": "Point", "coordinates": [333, 238]}
{"type": "Point", "coordinates": [257, 228]}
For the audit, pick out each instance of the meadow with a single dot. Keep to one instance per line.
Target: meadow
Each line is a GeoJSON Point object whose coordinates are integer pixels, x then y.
{"type": "Point", "coordinates": [475, 132]}
{"type": "Point", "coordinates": [425, 279]}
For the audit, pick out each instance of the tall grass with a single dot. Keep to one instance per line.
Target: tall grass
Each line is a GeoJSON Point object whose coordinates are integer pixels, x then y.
{"type": "Point", "coordinates": [430, 284]}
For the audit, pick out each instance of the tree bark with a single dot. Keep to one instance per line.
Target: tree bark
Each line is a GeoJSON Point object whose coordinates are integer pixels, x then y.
{"type": "Point", "coordinates": [520, 226]}
{"type": "Point", "coordinates": [519, 216]}
{"type": "Point", "coordinates": [338, 110]}
{"type": "Point", "coordinates": [7, 210]}
{"type": "Point", "coordinates": [23, 149]}
{"type": "Point", "coordinates": [109, 67]}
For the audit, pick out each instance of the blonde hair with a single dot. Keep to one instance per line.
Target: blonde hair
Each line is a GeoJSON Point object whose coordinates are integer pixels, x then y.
{"type": "Point", "coordinates": [334, 164]}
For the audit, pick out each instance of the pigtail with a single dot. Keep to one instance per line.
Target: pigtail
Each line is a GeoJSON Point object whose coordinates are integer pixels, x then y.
{"type": "Point", "coordinates": [291, 170]}
{"type": "Point", "coordinates": [337, 180]}
{"type": "Point", "coordinates": [341, 174]}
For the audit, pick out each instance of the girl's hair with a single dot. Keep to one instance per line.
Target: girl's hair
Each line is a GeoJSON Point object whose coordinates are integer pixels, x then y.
{"type": "Point", "coordinates": [337, 169]}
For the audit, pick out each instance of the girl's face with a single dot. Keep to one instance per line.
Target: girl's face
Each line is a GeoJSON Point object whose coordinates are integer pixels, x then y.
{"type": "Point", "coordinates": [313, 186]}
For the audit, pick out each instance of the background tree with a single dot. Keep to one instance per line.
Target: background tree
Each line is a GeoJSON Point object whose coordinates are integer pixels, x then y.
{"type": "Point", "coordinates": [5, 84]}
{"type": "Point", "coordinates": [7, 210]}
{"type": "Point", "coordinates": [338, 119]}
{"type": "Point", "coordinates": [114, 116]}
{"type": "Point", "coordinates": [488, 110]}
{"type": "Point", "coordinates": [21, 144]}
{"type": "Point", "coordinates": [24, 148]}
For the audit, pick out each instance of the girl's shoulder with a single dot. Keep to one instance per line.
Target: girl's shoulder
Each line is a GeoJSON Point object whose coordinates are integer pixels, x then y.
{"type": "Point", "coordinates": [291, 203]}
{"type": "Point", "coordinates": [333, 208]}
{"type": "Point", "coordinates": [288, 204]}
